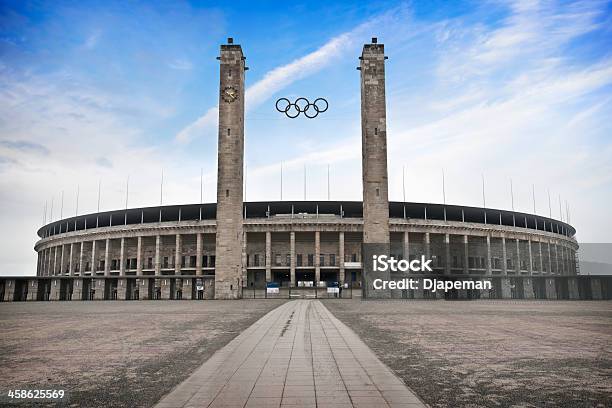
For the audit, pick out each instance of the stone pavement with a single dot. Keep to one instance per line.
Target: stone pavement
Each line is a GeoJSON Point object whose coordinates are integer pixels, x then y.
{"type": "Point", "coordinates": [298, 355]}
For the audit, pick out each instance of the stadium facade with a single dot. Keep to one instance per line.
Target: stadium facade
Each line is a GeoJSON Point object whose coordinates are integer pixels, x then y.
{"type": "Point", "coordinates": [232, 249]}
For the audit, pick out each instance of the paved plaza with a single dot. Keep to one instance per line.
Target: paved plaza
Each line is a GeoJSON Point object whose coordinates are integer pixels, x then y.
{"type": "Point", "coordinates": [116, 354]}
{"type": "Point", "coordinates": [491, 353]}
{"type": "Point", "coordinates": [298, 355]}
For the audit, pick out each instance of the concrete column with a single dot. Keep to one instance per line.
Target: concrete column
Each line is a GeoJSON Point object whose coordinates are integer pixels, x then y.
{"type": "Point", "coordinates": [550, 263]}
{"type": "Point", "coordinates": [596, 292]}
{"type": "Point", "coordinates": [268, 256]}
{"type": "Point", "coordinates": [49, 262]}
{"type": "Point", "coordinates": [81, 264]}
{"type": "Point", "coordinates": [551, 289]}
{"type": "Point", "coordinates": [121, 288]}
{"type": "Point", "coordinates": [530, 266]}
{"type": "Point", "coordinates": [557, 259]}
{"type": "Point", "coordinates": [505, 256]}
{"type": "Point", "coordinates": [572, 288]}
{"type": "Point", "coordinates": [122, 265]}
{"type": "Point", "coordinates": [165, 288]}
{"type": "Point", "coordinates": [209, 289]}
{"type": "Point", "coordinates": [139, 257]}
{"type": "Point", "coordinates": [506, 292]}
{"type": "Point", "coordinates": [71, 262]}
{"type": "Point", "coordinates": [447, 255]}
{"type": "Point", "coordinates": [77, 289]}
{"type": "Point", "coordinates": [528, 288]}
{"type": "Point", "coordinates": [61, 268]}
{"type": "Point", "coordinates": [177, 255]}
{"type": "Point", "coordinates": [143, 290]}
{"type": "Point", "coordinates": [406, 245]}
{"type": "Point", "coordinates": [9, 290]}
{"type": "Point", "coordinates": [465, 255]}
{"type": "Point", "coordinates": [540, 252]}
{"type": "Point", "coordinates": [489, 267]}
{"type": "Point", "coordinates": [51, 252]}
{"type": "Point", "coordinates": [426, 242]}
{"type": "Point", "coordinates": [317, 258]}
{"type": "Point", "coordinates": [55, 260]}
{"type": "Point", "coordinates": [198, 254]}
{"type": "Point", "coordinates": [93, 258]}
{"type": "Point", "coordinates": [157, 255]}
{"type": "Point", "coordinates": [32, 289]}
{"type": "Point", "coordinates": [292, 257]}
{"type": "Point", "coordinates": [341, 273]}
{"type": "Point", "coordinates": [99, 288]}
{"type": "Point", "coordinates": [54, 294]}
{"type": "Point", "coordinates": [107, 257]}
{"type": "Point", "coordinates": [187, 289]}
{"type": "Point", "coordinates": [518, 257]}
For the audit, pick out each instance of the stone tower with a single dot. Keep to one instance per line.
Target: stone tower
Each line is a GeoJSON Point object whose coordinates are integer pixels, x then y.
{"type": "Point", "coordinates": [228, 268]}
{"type": "Point", "coordinates": [374, 167]}
{"type": "Point", "coordinates": [374, 145]}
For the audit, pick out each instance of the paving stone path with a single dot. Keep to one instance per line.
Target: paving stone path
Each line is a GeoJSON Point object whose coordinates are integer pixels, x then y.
{"type": "Point", "coordinates": [298, 355]}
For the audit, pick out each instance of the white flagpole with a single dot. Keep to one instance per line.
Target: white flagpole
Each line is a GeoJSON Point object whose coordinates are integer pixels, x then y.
{"type": "Point", "coordinates": [328, 192]}
{"type": "Point", "coordinates": [127, 191]}
{"type": "Point", "coordinates": [549, 206]}
{"type": "Point", "coordinates": [76, 207]}
{"type": "Point", "coordinates": [161, 188]}
{"type": "Point", "coordinates": [62, 206]}
{"type": "Point", "coordinates": [201, 184]}
{"type": "Point", "coordinates": [484, 202]}
{"type": "Point", "coordinates": [99, 189]}
{"type": "Point", "coordinates": [533, 195]}
{"type": "Point", "coordinates": [404, 182]}
{"type": "Point", "coordinates": [304, 181]}
{"type": "Point", "coordinates": [443, 188]}
{"type": "Point", "coordinates": [51, 213]}
{"type": "Point", "coordinates": [281, 182]}
{"type": "Point", "coordinates": [511, 195]}
{"type": "Point", "coordinates": [45, 214]}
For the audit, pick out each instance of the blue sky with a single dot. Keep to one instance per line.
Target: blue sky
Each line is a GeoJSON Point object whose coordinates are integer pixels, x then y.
{"type": "Point", "coordinates": [95, 91]}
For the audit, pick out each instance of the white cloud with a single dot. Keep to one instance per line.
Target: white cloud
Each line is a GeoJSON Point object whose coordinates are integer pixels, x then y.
{"type": "Point", "coordinates": [92, 40]}
{"type": "Point", "coordinates": [181, 64]}
{"type": "Point", "coordinates": [207, 121]}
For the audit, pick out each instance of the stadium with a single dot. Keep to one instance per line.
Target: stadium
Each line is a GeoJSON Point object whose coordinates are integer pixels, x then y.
{"type": "Point", "coordinates": [233, 249]}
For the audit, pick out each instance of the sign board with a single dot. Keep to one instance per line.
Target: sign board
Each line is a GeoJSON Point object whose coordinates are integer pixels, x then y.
{"type": "Point", "coordinates": [352, 264]}
{"type": "Point", "coordinates": [333, 290]}
{"type": "Point", "coordinates": [272, 287]}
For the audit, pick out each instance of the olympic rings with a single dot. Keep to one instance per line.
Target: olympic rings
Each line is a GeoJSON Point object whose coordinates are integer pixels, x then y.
{"type": "Point", "coordinates": [301, 105]}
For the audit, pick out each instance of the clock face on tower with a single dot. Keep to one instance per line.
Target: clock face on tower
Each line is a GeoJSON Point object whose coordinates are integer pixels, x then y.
{"type": "Point", "coordinates": [229, 94]}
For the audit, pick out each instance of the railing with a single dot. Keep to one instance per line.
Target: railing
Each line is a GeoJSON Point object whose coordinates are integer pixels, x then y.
{"type": "Point", "coordinates": [297, 293]}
